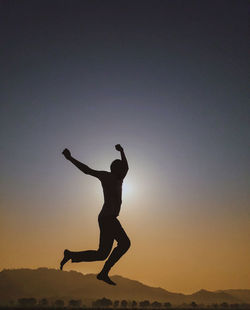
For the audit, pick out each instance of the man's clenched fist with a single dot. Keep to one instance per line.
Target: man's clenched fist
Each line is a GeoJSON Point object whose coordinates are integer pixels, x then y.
{"type": "Point", "coordinates": [118, 148]}
{"type": "Point", "coordinates": [66, 153]}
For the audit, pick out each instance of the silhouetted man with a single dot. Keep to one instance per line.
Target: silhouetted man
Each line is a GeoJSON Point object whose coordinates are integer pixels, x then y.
{"type": "Point", "coordinates": [110, 227]}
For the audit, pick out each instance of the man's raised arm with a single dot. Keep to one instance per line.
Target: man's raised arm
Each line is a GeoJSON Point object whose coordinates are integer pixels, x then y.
{"type": "Point", "coordinates": [84, 168]}
{"type": "Point", "coordinates": [119, 148]}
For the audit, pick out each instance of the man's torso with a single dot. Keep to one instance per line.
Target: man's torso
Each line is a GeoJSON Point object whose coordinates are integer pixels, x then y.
{"type": "Point", "coordinates": [112, 190]}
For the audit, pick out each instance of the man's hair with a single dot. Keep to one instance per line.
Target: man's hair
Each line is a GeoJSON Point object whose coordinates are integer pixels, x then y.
{"type": "Point", "coordinates": [117, 167]}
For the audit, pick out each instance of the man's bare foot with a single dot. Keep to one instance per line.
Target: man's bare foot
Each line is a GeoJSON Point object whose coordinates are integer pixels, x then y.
{"type": "Point", "coordinates": [105, 278]}
{"type": "Point", "coordinates": [65, 258]}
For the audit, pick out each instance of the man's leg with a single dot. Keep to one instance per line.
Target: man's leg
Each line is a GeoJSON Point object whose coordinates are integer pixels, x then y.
{"type": "Point", "coordinates": [105, 246]}
{"type": "Point", "coordinates": [123, 244]}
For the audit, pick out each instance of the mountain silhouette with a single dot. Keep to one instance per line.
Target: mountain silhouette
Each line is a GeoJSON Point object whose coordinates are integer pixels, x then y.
{"type": "Point", "coordinates": [52, 283]}
{"type": "Point", "coordinates": [240, 294]}
{"type": "Point", "coordinates": [207, 297]}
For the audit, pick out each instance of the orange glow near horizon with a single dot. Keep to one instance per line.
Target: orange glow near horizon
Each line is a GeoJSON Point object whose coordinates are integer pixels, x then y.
{"type": "Point", "coordinates": [178, 249]}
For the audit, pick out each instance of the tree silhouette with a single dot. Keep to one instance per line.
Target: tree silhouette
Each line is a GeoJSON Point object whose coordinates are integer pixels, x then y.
{"type": "Point", "coordinates": [144, 304]}
{"type": "Point", "coordinates": [193, 304]}
{"type": "Point", "coordinates": [43, 302]}
{"type": "Point", "coordinates": [167, 305]}
{"type": "Point", "coordinates": [156, 304]}
{"type": "Point", "coordinates": [75, 303]}
{"type": "Point", "coordinates": [59, 303]}
{"type": "Point", "coordinates": [116, 303]}
{"type": "Point", "coordinates": [134, 304]}
{"type": "Point", "coordinates": [224, 305]}
{"type": "Point", "coordinates": [27, 302]}
{"type": "Point", "coordinates": [124, 303]}
{"type": "Point", "coordinates": [102, 303]}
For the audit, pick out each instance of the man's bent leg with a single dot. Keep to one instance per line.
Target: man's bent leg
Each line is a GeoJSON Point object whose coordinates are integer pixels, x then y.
{"type": "Point", "coordinates": [105, 246]}
{"type": "Point", "coordinates": [121, 248]}
{"type": "Point", "coordinates": [65, 259]}
{"type": "Point", "coordinates": [89, 256]}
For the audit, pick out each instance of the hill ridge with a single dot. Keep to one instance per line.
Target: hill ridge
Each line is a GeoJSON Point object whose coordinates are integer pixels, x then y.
{"type": "Point", "coordinates": [52, 283]}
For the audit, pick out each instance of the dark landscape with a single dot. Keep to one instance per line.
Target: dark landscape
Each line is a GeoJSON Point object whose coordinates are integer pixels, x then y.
{"type": "Point", "coordinates": [50, 288]}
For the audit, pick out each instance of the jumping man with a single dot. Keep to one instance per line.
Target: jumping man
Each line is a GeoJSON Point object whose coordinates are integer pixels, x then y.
{"type": "Point", "coordinates": [110, 227]}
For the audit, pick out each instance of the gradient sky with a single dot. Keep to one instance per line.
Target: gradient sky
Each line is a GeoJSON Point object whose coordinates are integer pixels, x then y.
{"type": "Point", "coordinates": [165, 79]}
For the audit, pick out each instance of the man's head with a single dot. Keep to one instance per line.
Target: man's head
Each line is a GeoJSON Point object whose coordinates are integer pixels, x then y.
{"type": "Point", "coordinates": [117, 168]}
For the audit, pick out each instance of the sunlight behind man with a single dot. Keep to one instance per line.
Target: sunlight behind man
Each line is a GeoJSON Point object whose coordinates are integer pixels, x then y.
{"type": "Point", "coordinates": [128, 189]}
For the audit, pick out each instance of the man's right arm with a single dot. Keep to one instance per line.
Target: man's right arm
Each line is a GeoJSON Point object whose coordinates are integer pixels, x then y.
{"type": "Point", "coordinates": [123, 158]}
{"type": "Point", "coordinates": [84, 168]}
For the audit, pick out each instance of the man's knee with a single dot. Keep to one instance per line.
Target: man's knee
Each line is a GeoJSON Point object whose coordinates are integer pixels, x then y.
{"type": "Point", "coordinates": [125, 244]}
{"type": "Point", "coordinates": [128, 244]}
